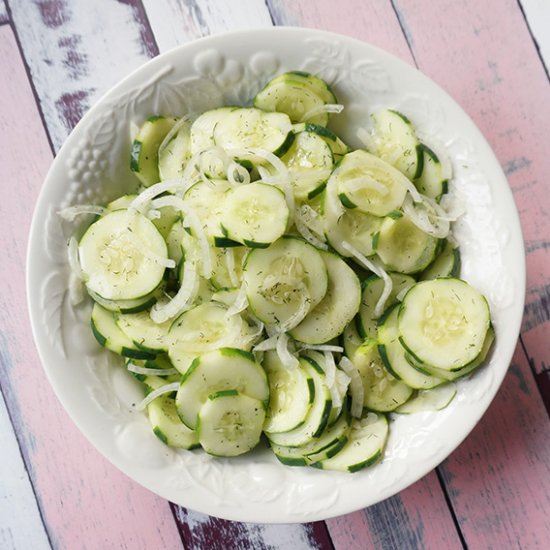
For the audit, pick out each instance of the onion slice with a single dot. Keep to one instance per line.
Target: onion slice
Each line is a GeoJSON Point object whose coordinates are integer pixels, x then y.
{"type": "Point", "coordinates": [288, 360]}
{"type": "Point", "coordinates": [355, 387]}
{"type": "Point", "coordinates": [150, 371]}
{"type": "Point", "coordinates": [327, 108]}
{"type": "Point", "coordinates": [71, 212]}
{"type": "Point", "coordinates": [167, 388]}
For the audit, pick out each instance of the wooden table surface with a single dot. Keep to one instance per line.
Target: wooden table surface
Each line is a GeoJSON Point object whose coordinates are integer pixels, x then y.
{"type": "Point", "coordinates": [57, 57]}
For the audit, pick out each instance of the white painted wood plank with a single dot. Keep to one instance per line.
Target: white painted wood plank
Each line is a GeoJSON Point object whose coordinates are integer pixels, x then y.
{"type": "Point", "coordinates": [20, 522]}
{"type": "Point", "coordinates": [537, 13]}
{"type": "Point", "coordinates": [175, 22]}
{"type": "Point", "coordinates": [76, 53]}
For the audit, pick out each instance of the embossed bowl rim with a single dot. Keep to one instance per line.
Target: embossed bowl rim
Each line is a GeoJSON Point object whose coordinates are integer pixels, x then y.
{"type": "Point", "coordinates": [256, 488]}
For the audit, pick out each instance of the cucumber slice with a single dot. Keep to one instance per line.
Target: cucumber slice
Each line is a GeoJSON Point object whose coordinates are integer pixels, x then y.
{"type": "Point", "coordinates": [202, 129]}
{"type": "Point", "coordinates": [338, 307]}
{"type": "Point", "coordinates": [219, 370]}
{"type": "Point", "coordinates": [144, 157]}
{"type": "Point", "coordinates": [443, 323]}
{"type": "Point", "coordinates": [297, 95]}
{"type": "Point", "coordinates": [128, 306]}
{"type": "Point", "coordinates": [167, 425]}
{"type": "Point", "coordinates": [143, 331]}
{"type": "Point", "coordinates": [221, 261]}
{"type": "Point", "coordinates": [121, 203]}
{"type": "Point", "coordinates": [366, 182]}
{"type": "Point", "coordinates": [108, 334]}
{"type": "Point", "coordinates": [350, 340]}
{"type": "Point", "coordinates": [396, 142]}
{"type": "Point", "coordinates": [291, 394]}
{"type": "Point", "coordinates": [373, 287]}
{"type": "Point", "coordinates": [367, 440]}
{"type": "Point", "coordinates": [252, 128]}
{"type": "Point", "coordinates": [446, 264]}
{"type": "Point", "coordinates": [356, 228]}
{"type": "Point", "coordinates": [431, 181]}
{"type": "Point", "coordinates": [328, 444]}
{"type": "Point", "coordinates": [255, 214]}
{"type": "Point", "coordinates": [174, 155]}
{"type": "Point", "coordinates": [429, 400]}
{"type": "Point", "coordinates": [230, 423]}
{"type": "Point", "coordinates": [203, 328]}
{"type": "Point", "coordinates": [122, 256]}
{"type": "Point", "coordinates": [174, 240]}
{"type": "Point", "coordinates": [276, 278]}
{"type": "Point", "coordinates": [461, 373]}
{"type": "Point", "coordinates": [318, 415]}
{"type": "Point", "coordinates": [393, 354]}
{"type": "Point", "coordinates": [403, 247]}
{"type": "Point", "coordinates": [309, 161]}
{"type": "Point", "coordinates": [382, 391]}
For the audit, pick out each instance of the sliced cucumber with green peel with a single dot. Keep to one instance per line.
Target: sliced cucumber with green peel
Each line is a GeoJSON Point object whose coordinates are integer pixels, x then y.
{"type": "Point", "coordinates": [404, 247]}
{"type": "Point", "coordinates": [230, 423]}
{"type": "Point", "coordinates": [443, 323]}
{"type": "Point", "coordinates": [122, 256]}
{"type": "Point", "coordinates": [445, 264]}
{"type": "Point", "coordinates": [367, 440]}
{"type": "Point", "coordinates": [292, 392]}
{"type": "Point", "coordinates": [255, 214]}
{"type": "Point", "coordinates": [396, 142]}
{"type": "Point", "coordinates": [202, 129]}
{"type": "Point", "coordinates": [329, 317]}
{"type": "Point", "coordinates": [434, 399]}
{"type": "Point", "coordinates": [393, 354]}
{"type": "Point", "coordinates": [350, 340]}
{"type": "Point", "coordinates": [219, 370]}
{"type": "Point", "coordinates": [366, 182]}
{"type": "Point", "coordinates": [253, 128]}
{"type": "Point", "coordinates": [317, 417]}
{"type": "Point", "coordinates": [311, 81]}
{"type": "Point", "coordinates": [108, 334]}
{"type": "Point", "coordinates": [431, 182]}
{"type": "Point", "coordinates": [282, 279]}
{"type": "Point", "coordinates": [174, 155]}
{"type": "Point", "coordinates": [128, 306]}
{"type": "Point", "coordinates": [310, 163]}
{"type": "Point", "coordinates": [373, 287]}
{"type": "Point", "coordinates": [382, 391]}
{"type": "Point", "coordinates": [337, 146]}
{"type": "Point", "coordinates": [167, 425]}
{"type": "Point", "coordinates": [145, 148]}
{"type": "Point", "coordinates": [145, 333]}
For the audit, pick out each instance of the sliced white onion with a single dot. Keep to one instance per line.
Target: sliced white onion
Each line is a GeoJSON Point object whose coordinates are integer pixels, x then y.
{"type": "Point", "coordinates": [377, 269]}
{"type": "Point", "coordinates": [212, 153]}
{"type": "Point", "coordinates": [71, 212]}
{"type": "Point", "coordinates": [165, 262]}
{"type": "Point", "coordinates": [167, 388]}
{"type": "Point", "coordinates": [195, 224]}
{"type": "Point", "coordinates": [366, 138]}
{"type": "Point", "coordinates": [237, 174]}
{"type": "Point", "coordinates": [72, 256]}
{"type": "Point", "coordinates": [327, 108]}
{"type": "Point", "coordinates": [240, 303]}
{"type": "Point", "coordinates": [150, 371]}
{"type": "Point", "coordinates": [322, 347]}
{"type": "Point", "coordinates": [366, 182]}
{"type": "Point", "coordinates": [229, 257]}
{"type": "Point", "coordinates": [182, 301]}
{"type": "Point", "coordinates": [306, 233]}
{"type": "Point", "coordinates": [402, 292]}
{"type": "Point", "coordinates": [330, 369]}
{"type": "Point", "coordinates": [153, 214]}
{"type": "Point", "coordinates": [252, 152]}
{"type": "Point", "coordinates": [440, 229]}
{"type": "Point", "coordinates": [356, 389]}
{"type": "Point", "coordinates": [268, 344]}
{"type": "Point", "coordinates": [288, 360]}
{"type": "Point", "coordinates": [156, 189]}
{"type": "Point", "coordinates": [173, 131]}
{"type": "Point", "coordinates": [339, 388]}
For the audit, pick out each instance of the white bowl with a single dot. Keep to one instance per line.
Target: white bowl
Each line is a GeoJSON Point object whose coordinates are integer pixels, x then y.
{"type": "Point", "coordinates": [93, 167]}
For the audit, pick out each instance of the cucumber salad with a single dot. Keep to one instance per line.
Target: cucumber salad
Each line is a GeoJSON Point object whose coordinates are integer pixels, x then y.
{"type": "Point", "coordinates": [268, 283]}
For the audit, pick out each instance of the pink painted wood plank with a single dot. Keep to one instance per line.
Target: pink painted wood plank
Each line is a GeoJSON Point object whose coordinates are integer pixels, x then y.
{"type": "Point", "coordinates": [484, 56]}
{"type": "Point", "coordinates": [499, 478]}
{"type": "Point", "coordinates": [4, 18]}
{"type": "Point", "coordinates": [85, 502]}
{"type": "Point", "coordinates": [416, 518]}
{"type": "Point", "coordinates": [372, 21]}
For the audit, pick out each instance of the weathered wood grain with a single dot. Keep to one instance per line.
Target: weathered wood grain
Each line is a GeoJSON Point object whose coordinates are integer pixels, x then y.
{"type": "Point", "coordinates": [416, 518]}
{"type": "Point", "coordinates": [543, 383]}
{"type": "Point", "coordinates": [537, 13]}
{"type": "Point", "coordinates": [76, 51]}
{"type": "Point", "coordinates": [371, 21]}
{"type": "Point", "coordinates": [3, 13]}
{"type": "Point", "coordinates": [174, 22]}
{"type": "Point", "coordinates": [205, 532]}
{"type": "Point", "coordinates": [85, 502]}
{"type": "Point", "coordinates": [20, 521]}
{"type": "Point", "coordinates": [499, 478]}
{"type": "Point", "coordinates": [506, 93]}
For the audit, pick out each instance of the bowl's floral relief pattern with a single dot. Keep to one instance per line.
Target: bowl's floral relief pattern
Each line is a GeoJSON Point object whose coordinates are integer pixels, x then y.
{"type": "Point", "coordinates": [96, 170]}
